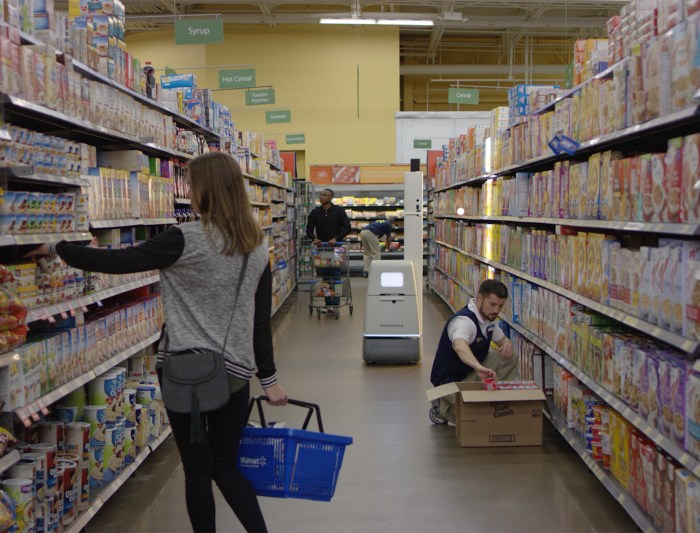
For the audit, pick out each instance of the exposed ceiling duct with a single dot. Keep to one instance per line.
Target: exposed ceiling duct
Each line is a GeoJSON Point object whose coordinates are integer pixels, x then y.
{"type": "Point", "coordinates": [476, 70]}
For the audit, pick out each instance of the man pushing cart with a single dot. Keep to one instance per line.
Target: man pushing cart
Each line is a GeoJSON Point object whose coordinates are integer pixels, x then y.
{"type": "Point", "coordinates": [327, 226]}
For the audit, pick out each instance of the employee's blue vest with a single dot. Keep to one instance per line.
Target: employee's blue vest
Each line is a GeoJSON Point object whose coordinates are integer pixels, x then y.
{"type": "Point", "coordinates": [447, 366]}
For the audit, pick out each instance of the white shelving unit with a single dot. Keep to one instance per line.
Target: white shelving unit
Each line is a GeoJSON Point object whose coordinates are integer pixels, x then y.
{"type": "Point", "coordinates": [686, 121]}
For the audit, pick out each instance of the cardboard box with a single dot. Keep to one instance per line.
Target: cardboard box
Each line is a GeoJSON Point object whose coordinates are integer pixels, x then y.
{"type": "Point", "coordinates": [494, 418]}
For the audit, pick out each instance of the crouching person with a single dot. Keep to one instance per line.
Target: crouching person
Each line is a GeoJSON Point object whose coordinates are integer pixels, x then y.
{"type": "Point", "coordinates": [463, 352]}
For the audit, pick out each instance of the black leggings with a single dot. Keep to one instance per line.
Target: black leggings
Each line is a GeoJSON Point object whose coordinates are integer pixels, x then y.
{"type": "Point", "coordinates": [216, 460]}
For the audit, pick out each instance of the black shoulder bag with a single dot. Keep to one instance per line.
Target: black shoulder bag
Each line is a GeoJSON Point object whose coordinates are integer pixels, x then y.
{"type": "Point", "coordinates": [194, 381]}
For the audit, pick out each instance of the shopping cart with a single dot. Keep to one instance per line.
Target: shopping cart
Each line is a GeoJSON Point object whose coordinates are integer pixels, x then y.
{"type": "Point", "coordinates": [330, 289]}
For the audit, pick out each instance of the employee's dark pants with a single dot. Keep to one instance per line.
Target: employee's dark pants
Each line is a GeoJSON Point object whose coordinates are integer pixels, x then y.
{"type": "Point", "coordinates": [216, 460]}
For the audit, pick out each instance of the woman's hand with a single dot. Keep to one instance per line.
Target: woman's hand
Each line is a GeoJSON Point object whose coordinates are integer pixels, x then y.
{"type": "Point", "coordinates": [41, 251]}
{"type": "Point", "coordinates": [276, 395]}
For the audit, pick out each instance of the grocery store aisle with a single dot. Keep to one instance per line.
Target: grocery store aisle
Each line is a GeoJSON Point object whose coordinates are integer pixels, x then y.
{"type": "Point", "coordinates": [402, 473]}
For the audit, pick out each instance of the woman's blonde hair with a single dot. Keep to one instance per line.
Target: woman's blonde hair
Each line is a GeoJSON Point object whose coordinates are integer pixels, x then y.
{"type": "Point", "coordinates": [221, 198]}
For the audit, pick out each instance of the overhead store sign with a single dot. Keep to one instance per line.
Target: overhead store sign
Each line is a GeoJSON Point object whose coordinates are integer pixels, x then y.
{"type": "Point", "coordinates": [260, 97]}
{"type": "Point", "coordinates": [237, 79]}
{"type": "Point", "coordinates": [199, 31]}
{"type": "Point", "coordinates": [276, 117]}
{"type": "Point", "coordinates": [463, 96]}
{"type": "Point", "coordinates": [296, 138]}
{"type": "Point", "coordinates": [423, 143]}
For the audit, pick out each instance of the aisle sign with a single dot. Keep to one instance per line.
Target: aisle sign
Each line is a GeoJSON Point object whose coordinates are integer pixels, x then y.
{"type": "Point", "coordinates": [276, 117]}
{"type": "Point", "coordinates": [237, 79]}
{"type": "Point", "coordinates": [260, 97]}
{"type": "Point", "coordinates": [423, 143]}
{"type": "Point", "coordinates": [463, 96]}
{"type": "Point", "coordinates": [199, 31]}
{"type": "Point", "coordinates": [296, 138]}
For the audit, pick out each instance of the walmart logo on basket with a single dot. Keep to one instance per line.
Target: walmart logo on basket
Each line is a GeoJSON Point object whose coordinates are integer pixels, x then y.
{"type": "Point", "coordinates": [254, 462]}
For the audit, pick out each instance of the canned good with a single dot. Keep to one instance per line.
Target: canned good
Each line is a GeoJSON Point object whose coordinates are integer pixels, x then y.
{"type": "Point", "coordinates": [95, 465]}
{"type": "Point", "coordinates": [78, 440]}
{"type": "Point", "coordinates": [70, 498]}
{"type": "Point", "coordinates": [96, 416]}
{"type": "Point", "coordinates": [53, 432]}
{"type": "Point", "coordinates": [84, 480]}
{"type": "Point", "coordinates": [51, 513]}
{"type": "Point", "coordinates": [39, 462]}
{"type": "Point", "coordinates": [49, 451]}
{"type": "Point", "coordinates": [103, 391]}
{"type": "Point", "coordinates": [21, 492]}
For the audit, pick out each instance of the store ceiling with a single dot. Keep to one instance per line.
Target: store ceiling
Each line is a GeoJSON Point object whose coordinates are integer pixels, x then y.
{"type": "Point", "coordinates": [502, 22]}
{"type": "Point", "coordinates": [496, 42]}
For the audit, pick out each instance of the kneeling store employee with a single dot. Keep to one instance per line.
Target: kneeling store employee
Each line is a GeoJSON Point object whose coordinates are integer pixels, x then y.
{"type": "Point", "coordinates": [464, 353]}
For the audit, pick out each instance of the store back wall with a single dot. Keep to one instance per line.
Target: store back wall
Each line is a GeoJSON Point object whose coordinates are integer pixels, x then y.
{"type": "Point", "coordinates": [340, 83]}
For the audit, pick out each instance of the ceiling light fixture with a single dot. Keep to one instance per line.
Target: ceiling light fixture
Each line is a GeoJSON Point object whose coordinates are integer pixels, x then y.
{"type": "Point", "coordinates": [352, 21]}
{"type": "Point", "coordinates": [405, 22]}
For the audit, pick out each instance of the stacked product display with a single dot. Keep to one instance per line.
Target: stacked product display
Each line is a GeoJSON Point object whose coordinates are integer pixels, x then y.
{"type": "Point", "coordinates": [94, 148]}
{"type": "Point", "coordinates": [586, 207]}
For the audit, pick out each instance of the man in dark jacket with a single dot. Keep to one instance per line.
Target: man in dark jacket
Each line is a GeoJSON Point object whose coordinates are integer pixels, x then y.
{"type": "Point", "coordinates": [328, 222]}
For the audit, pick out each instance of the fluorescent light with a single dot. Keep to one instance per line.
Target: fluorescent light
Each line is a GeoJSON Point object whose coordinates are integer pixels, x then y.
{"type": "Point", "coordinates": [353, 21]}
{"type": "Point", "coordinates": [405, 22]}
{"type": "Point", "coordinates": [383, 22]}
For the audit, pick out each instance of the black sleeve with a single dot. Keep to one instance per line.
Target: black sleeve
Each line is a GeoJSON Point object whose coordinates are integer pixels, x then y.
{"type": "Point", "coordinates": [311, 225]}
{"type": "Point", "coordinates": [161, 251]}
{"type": "Point", "coordinates": [345, 226]}
{"type": "Point", "coordinates": [262, 332]}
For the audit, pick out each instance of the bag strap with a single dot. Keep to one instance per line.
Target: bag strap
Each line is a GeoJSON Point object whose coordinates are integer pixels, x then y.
{"type": "Point", "coordinates": [235, 302]}
{"type": "Point", "coordinates": [244, 268]}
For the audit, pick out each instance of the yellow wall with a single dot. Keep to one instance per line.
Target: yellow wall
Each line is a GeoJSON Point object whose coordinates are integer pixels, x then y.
{"type": "Point", "coordinates": [314, 71]}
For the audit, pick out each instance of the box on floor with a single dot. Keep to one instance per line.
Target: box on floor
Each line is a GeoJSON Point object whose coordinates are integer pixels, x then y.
{"type": "Point", "coordinates": [494, 417]}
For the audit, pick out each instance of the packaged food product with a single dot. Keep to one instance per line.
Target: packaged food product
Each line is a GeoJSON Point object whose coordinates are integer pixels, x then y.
{"type": "Point", "coordinates": [653, 394]}
{"type": "Point", "coordinates": [691, 171]}
{"type": "Point", "coordinates": [687, 500]}
{"type": "Point", "coordinates": [673, 182]}
{"type": "Point", "coordinates": [681, 65]}
{"type": "Point", "coordinates": [692, 436]}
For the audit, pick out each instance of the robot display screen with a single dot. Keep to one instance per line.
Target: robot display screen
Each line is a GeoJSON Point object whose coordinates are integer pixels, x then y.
{"type": "Point", "coordinates": [392, 279]}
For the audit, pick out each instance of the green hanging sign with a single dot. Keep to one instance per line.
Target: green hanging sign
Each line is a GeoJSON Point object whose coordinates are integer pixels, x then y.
{"type": "Point", "coordinates": [277, 117]}
{"type": "Point", "coordinates": [422, 143]}
{"type": "Point", "coordinates": [237, 79]}
{"type": "Point", "coordinates": [260, 97]}
{"type": "Point", "coordinates": [199, 31]}
{"type": "Point", "coordinates": [296, 138]}
{"type": "Point", "coordinates": [461, 95]}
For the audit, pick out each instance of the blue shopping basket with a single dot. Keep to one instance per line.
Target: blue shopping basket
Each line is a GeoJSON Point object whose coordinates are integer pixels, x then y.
{"type": "Point", "coordinates": [291, 463]}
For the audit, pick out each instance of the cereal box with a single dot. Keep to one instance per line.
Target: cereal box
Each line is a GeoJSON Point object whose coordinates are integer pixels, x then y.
{"type": "Point", "coordinates": [691, 326]}
{"type": "Point", "coordinates": [681, 65]}
{"type": "Point", "coordinates": [647, 459]}
{"type": "Point", "coordinates": [619, 448]}
{"type": "Point", "coordinates": [606, 187]}
{"type": "Point", "coordinates": [641, 170]}
{"type": "Point", "coordinates": [654, 391]}
{"type": "Point", "coordinates": [669, 496]}
{"type": "Point", "coordinates": [692, 440]}
{"type": "Point", "coordinates": [636, 89]}
{"type": "Point", "coordinates": [691, 171]}
{"type": "Point", "coordinates": [666, 394]}
{"type": "Point", "coordinates": [644, 298]}
{"type": "Point", "coordinates": [593, 187]}
{"type": "Point", "coordinates": [620, 98]}
{"type": "Point", "coordinates": [673, 208]}
{"type": "Point", "coordinates": [608, 246]}
{"type": "Point", "coordinates": [652, 188]}
{"type": "Point", "coordinates": [671, 273]}
{"type": "Point", "coordinates": [638, 377]}
{"type": "Point", "coordinates": [657, 77]}
{"type": "Point", "coordinates": [680, 370]}
{"type": "Point", "coordinates": [687, 500]}
{"type": "Point", "coordinates": [692, 7]}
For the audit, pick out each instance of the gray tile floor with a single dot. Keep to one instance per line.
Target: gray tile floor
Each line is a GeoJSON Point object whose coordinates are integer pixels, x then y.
{"type": "Point", "coordinates": [402, 474]}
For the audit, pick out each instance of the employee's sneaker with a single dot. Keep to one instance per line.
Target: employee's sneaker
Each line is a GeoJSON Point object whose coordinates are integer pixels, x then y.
{"type": "Point", "coordinates": [434, 413]}
{"type": "Point", "coordinates": [365, 274]}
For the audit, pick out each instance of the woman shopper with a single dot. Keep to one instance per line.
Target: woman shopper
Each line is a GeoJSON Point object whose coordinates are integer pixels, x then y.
{"type": "Point", "coordinates": [200, 265]}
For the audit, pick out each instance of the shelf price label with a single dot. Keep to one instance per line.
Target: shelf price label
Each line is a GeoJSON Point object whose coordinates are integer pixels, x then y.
{"type": "Point", "coordinates": [277, 117]}
{"type": "Point", "coordinates": [296, 138]}
{"type": "Point", "coordinates": [260, 97]}
{"type": "Point", "coordinates": [463, 96]}
{"type": "Point", "coordinates": [199, 31]}
{"type": "Point", "coordinates": [237, 79]}
{"type": "Point", "coordinates": [422, 143]}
